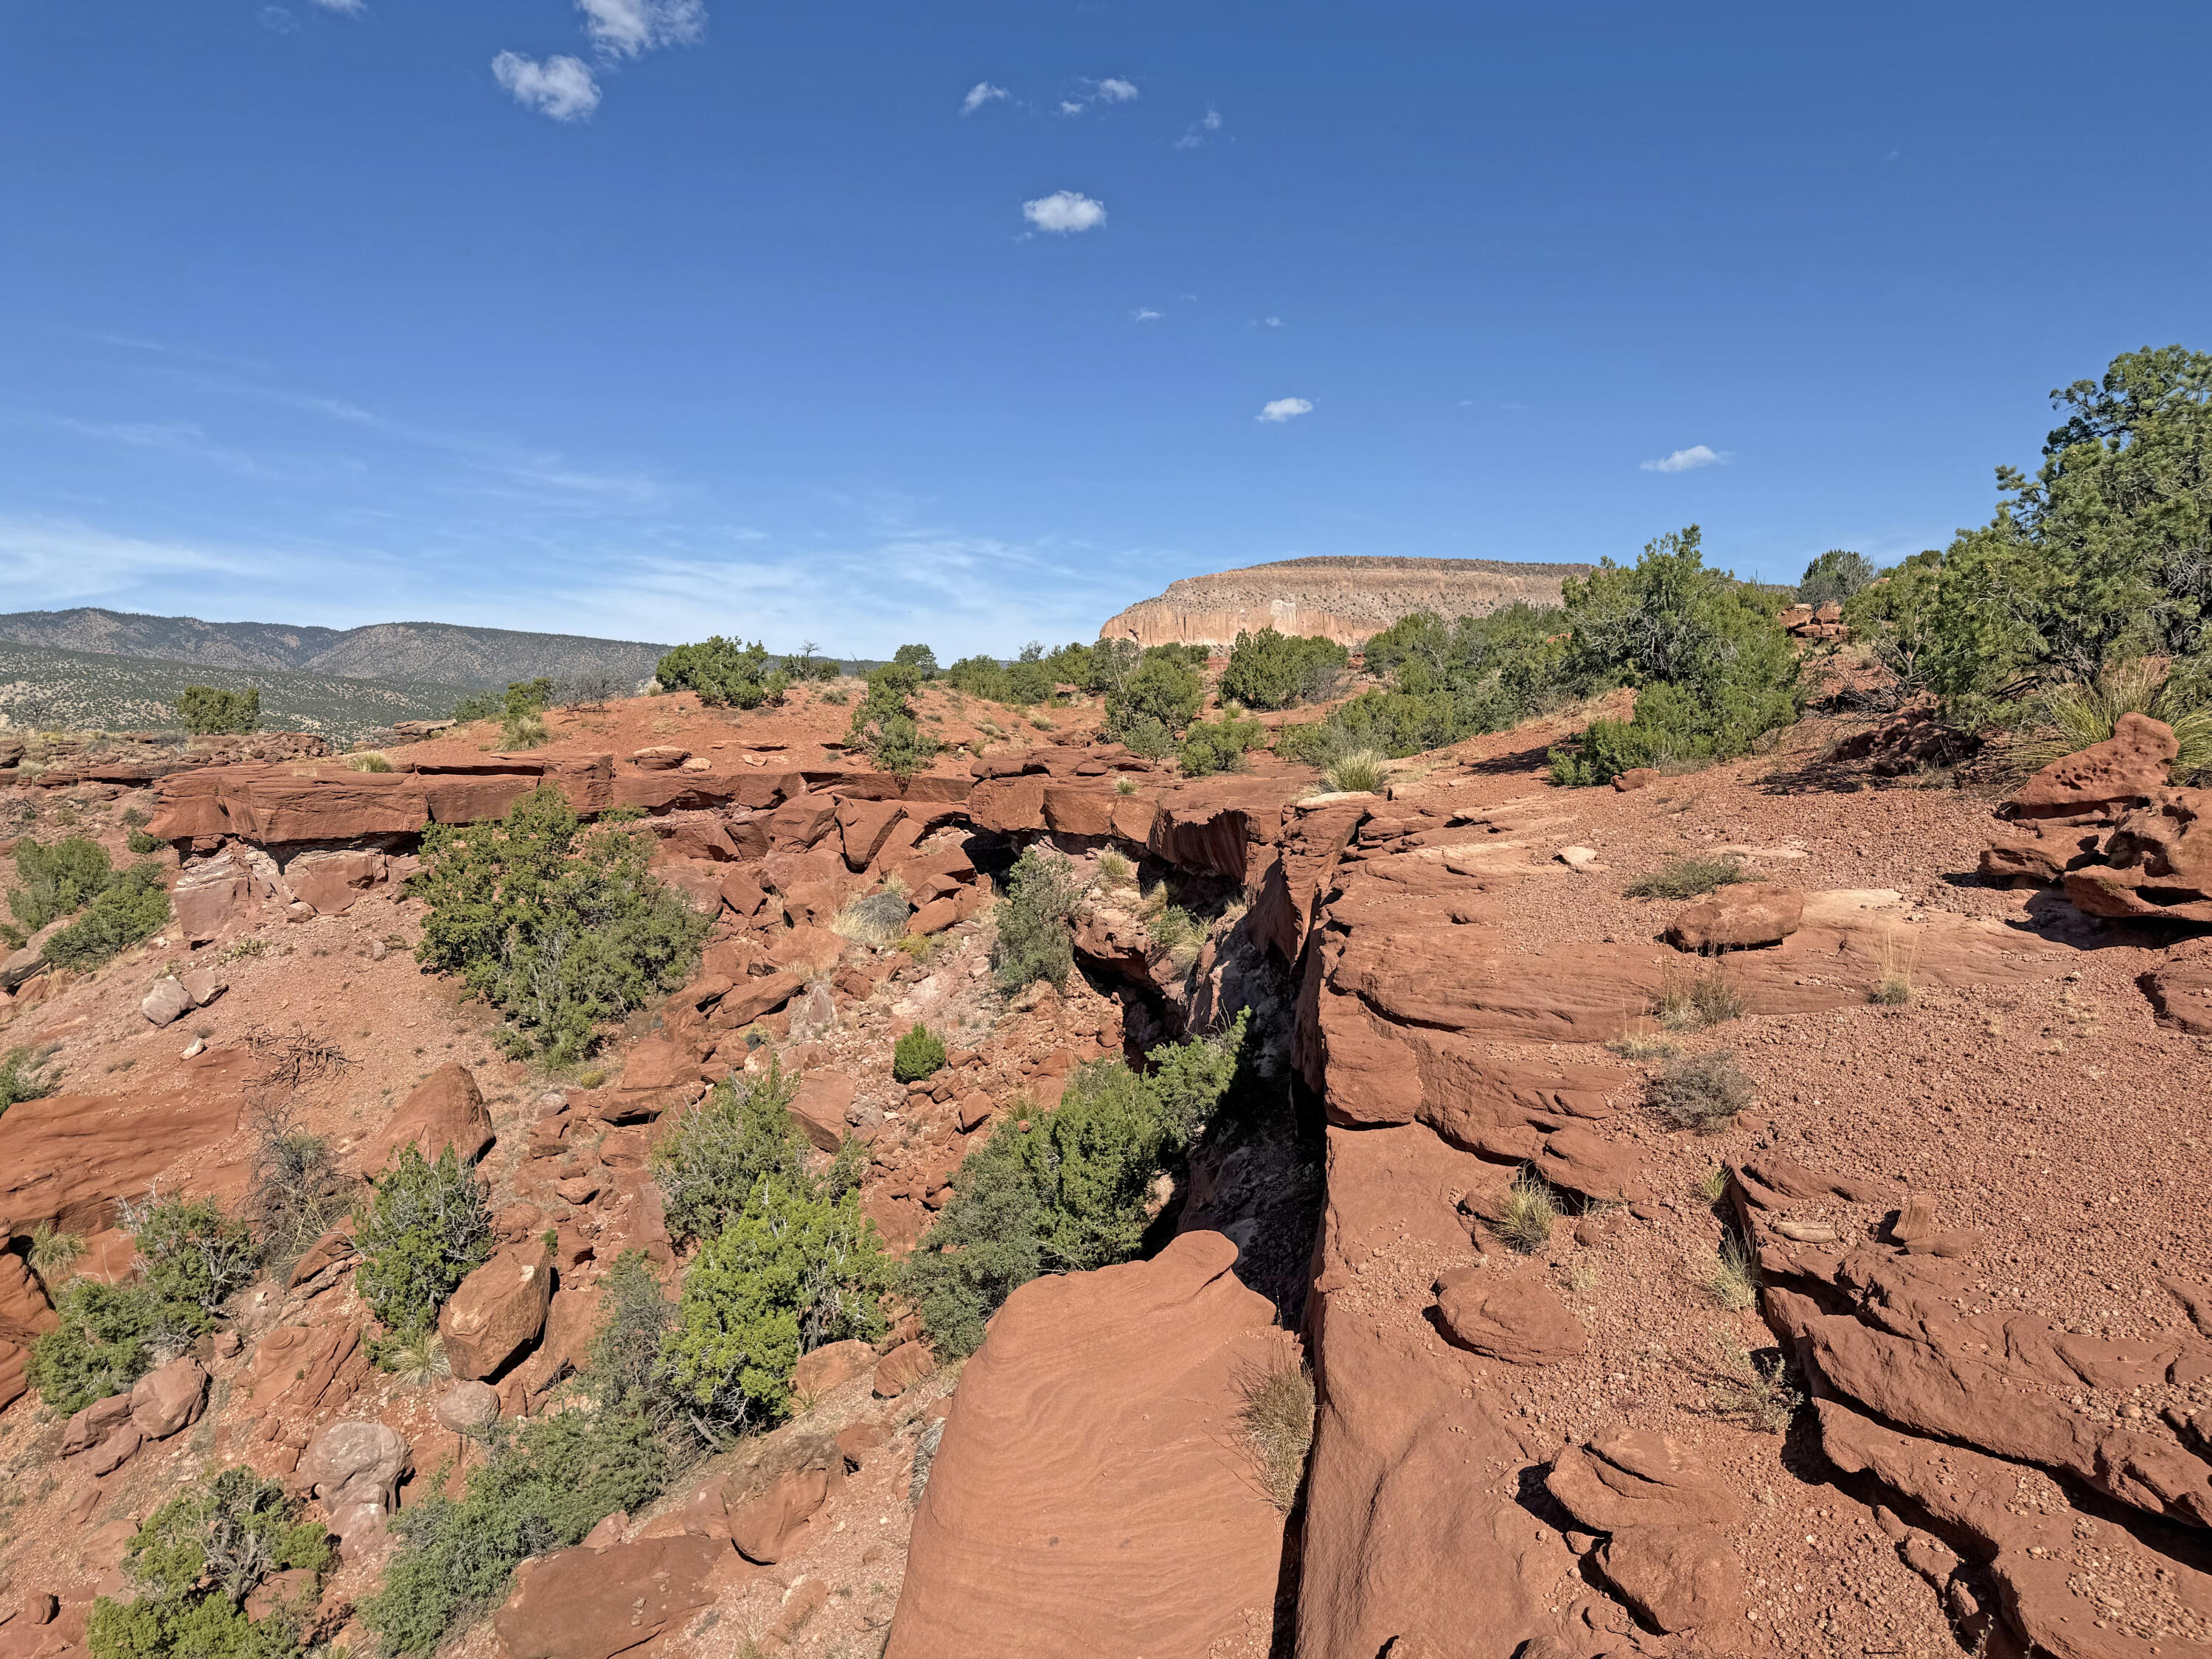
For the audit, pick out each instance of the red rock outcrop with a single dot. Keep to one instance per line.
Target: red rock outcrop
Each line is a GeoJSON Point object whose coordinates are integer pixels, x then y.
{"type": "Point", "coordinates": [498, 1311]}
{"type": "Point", "coordinates": [445, 1110]}
{"type": "Point", "coordinates": [586, 1603]}
{"type": "Point", "coordinates": [1081, 1500]}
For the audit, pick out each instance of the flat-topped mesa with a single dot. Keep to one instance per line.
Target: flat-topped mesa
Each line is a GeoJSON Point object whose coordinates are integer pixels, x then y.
{"type": "Point", "coordinates": [1344, 599]}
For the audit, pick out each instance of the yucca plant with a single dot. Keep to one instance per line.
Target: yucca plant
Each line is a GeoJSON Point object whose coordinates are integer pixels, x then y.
{"type": "Point", "coordinates": [2069, 718]}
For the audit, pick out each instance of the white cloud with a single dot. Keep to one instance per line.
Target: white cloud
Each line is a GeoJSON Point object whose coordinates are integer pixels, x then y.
{"type": "Point", "coordinates": [1115, 90]}
{"type": "Point", "coordinates": [624, 28]}
{"type": "Point", "coordinates": [1065, 211]}
{"type": "Point", "coordinates": [1069, 106]}
{"type": "Point", "coordinates": [1688, 461]}
{"type": "Point", "coordinates": [1284, 409]}
{"type": "Point", "coordinates": [1195, 135]}
{"type": "Point", "coordinates": [980, 94]}
{"type": "Point", "coordinates": [348, 8]}
{"type": "Point", "coordinates": [562, 87]}
{"type": "Point", "coordinates": [277, 21]}
{"type": "Point", "coordinates": [1271, 322]}
{"type": "Point", "coordinates": [1144, 314]}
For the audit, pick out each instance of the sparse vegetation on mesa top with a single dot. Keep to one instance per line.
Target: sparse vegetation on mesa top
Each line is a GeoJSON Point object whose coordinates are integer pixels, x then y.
{"type": "Point", "coordinates": [1269, 670]}
{"type": "Point", "coordinates": [1690, 1002]}
{"type": "Point", "coordinates": [1358, 773]}
{"type": "Point", "coordinates": [194, 1562]}
{"type": "Point", "coordinates": [131, 907]}
{"type": "Point", "coordinates": [1069, 1192]}
{"type": "Point", "coordinates": [1758, 1396]}
{"type": "Point", "coordinates": [562, 928]}
{"type": "Point", "coordinates": [725, 673]}
{"type": "Point", "coordinates": [883, 723]}
{"type": "Point", "coordinates": [1688, 877]}
{"type": "Point", "coordinates": [1730, 1276]}
{"type": "Point", "coordinates": [1035, 941]}
{"type": "Point", "coordinates": [1701, 1092]}
{"type": "Point", "coordinates": [209, 710]}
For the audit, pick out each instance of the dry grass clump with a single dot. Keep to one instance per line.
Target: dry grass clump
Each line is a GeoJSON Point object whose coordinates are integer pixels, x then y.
{"type": "Point", "coordinates": [1701, 1092]}
{"type": "Point", "coordinates": [1278, 1415]}
{"type": "Point", "coordinates": [416, 1357]}
{"type": "Point", "coordinates": [1759, 1397]}
{"type": "Point", "coordinates": [1731, 1276]}
{"type": "Point", "coordinates": [368, 761]}
{"type": "Point", "coordinates": [53, 1254]}
{"type": "Point", "coordinates": [1125, 786]}
{"type": "Point", "coordinates": [879, 919]}
{"type": "Point", "coordinates": [1894, 989]}
{"type": "Point", "coordinates": [1640, 1042]}
{"type": "Point", "coordinates": [1360, 772]}
{"type": "Point", "coordinates": [1713, 1187]}
{"type": "Point", "coordinates": [2072, 717]}
{"type": "Point", "coordinates": [1687, 877]}
{"type": "Point", "coordinates": [1115, 868]}
{"type": "Point", "coordinates": [1690, 1002]}
{"type": "Point", "coordinates": [1524, 1219]}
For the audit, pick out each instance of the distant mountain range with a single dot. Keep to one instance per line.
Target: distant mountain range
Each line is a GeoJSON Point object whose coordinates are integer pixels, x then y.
{"type": "Point", "coordinates": [45, 690]}
{"type": "Point", "coordinates": [442, 654]}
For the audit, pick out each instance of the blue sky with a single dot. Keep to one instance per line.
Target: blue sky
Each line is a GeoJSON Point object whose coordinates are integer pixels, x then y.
{"type": "Point", "coordinates": [655, 317]}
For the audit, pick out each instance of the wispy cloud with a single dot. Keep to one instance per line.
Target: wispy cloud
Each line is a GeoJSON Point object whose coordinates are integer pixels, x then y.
{"type": "Point", "coordinates": [1196, 133]}
{"type": "Point", "coordinates": [980, 94]}
{"type": "Point", "coordinates": [562, 87]}
{"type": "Point", "coordinates": [343, 8]}
{"type": "Point", "coordinates": [1144, 314]}
{"type": "Point", "coordinates": [626, 28]}
{"type": "Point", "coordinates": [1284, 409]}
{"type": "Point", "coordinates": [1114, 89]}
{"type": "Point", "coordinates": [1267, 322]}
{"type": "Point", "coordinates": [1689, 460]}
{"type": "Point", "coordinates": [277, 21]}
{"type": "Point", "coordinates": [1065, 211]}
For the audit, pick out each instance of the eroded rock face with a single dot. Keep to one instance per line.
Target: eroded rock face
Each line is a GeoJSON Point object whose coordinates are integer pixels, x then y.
{"type": "Point", "coordinates": [1063, 1512]}
{"type": "Point", "coordinates": [169, 1398]}
{"type": "Point", "coordinates": [1344, 599]}
{"type": "Point", "coordinates": [354, 1468]}
{"type": "Point", "coordinates": [589, 1603]}
{"type": "Point", "coordinates": [2061, 819]}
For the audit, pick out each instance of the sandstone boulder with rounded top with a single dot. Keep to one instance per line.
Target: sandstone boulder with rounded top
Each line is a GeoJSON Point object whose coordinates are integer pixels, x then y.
{"type": "Point", "coordinates": [1740, 917]}
{"type": "Point", "coordinates": [447, 1108]}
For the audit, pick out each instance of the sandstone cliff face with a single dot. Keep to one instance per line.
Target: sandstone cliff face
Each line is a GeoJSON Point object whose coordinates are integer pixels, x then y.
{"type": "Point", "coordinates": [1344, 599]}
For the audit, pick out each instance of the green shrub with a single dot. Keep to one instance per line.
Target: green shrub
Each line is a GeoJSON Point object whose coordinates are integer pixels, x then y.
{"type": "Point", "coordinates": [805, 667]}
{"type": "Point", "coordinates": [1069, 1193]}
{"type": "Point", "coordinates": [132, 907]}
{"type": "Point", "coordinates": [425, 1227]}
{"type": "Point", "coordinates": [193, 1564]}
{"type": "Point", "coordinates": [57, 878]}
{"type": "Point", "coordinates": [738, 1134]}
{"type": "Point", "coordinates": [1834, 577]}
{"type": "Point", "coordinates": [2097, 560]}
{"type": "Point", "coordinates": [206, 710]}
{"type": "Point", "coordinates": [560, 927]}
{"type": "Point", "coordinates": [724, 673]}
{"type": "Point", "coordinates": [1268, 669]}
{"type": "Point", "coordinates": [195, 1257]}
{"type": "Point", "coordinates": [920, 658]}
{"type": "Point", "coordinates": [21, 1078]}
{"type": "Point", "coordinates": [1035, 941]}
{"type": "Point", "coordinates": [100, 1347]}
{"type": "Point", "coordinates": [541, 1489]}
{"type": "Point", "coordinates": [1219, 746]}
{"type": "Point", "coordinates": [635, 1318]}
{"type": "Point", "coordinates": [917, 1054]}
{"type": "Point", "coordinates": [797, 1269]}
{"type": "Point", "coordinates": [1147, 739]}
{"type": "Point", "coordinates": [899, 746]}
{"type": "Point", "coordinates": [1716, 669]}
{"type": "Point", "coordinates": [1688, 877]}
{"type": "Point", "coordinates": [883, 723]}
{"type": "Point", "coordinates": [140, 842]}
{"type": "Point", "coordinates": [1162, 687]}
